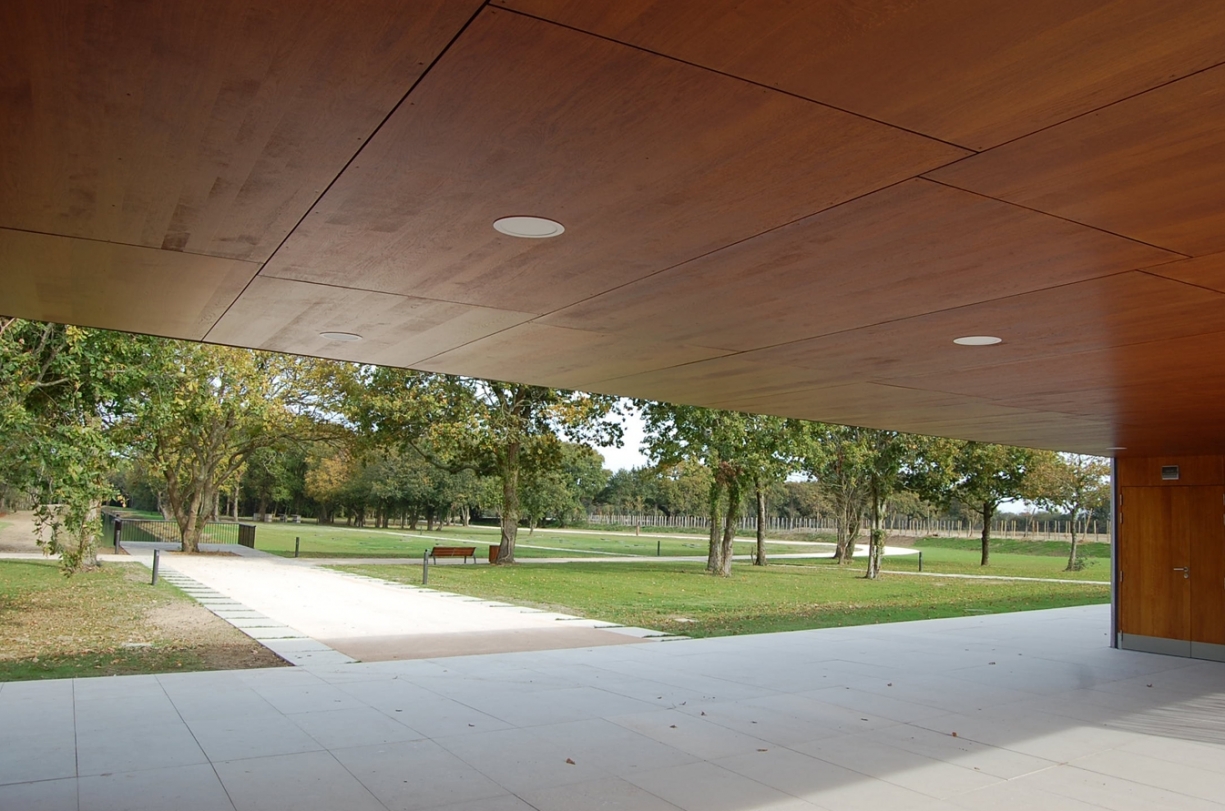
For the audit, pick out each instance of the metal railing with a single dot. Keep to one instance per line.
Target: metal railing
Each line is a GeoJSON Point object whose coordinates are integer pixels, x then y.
{"type": "Point", "coordinates": [120, 528]}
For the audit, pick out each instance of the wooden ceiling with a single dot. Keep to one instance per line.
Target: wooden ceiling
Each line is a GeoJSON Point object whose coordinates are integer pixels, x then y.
{"type": "Point", "coordinates": [782, 207]}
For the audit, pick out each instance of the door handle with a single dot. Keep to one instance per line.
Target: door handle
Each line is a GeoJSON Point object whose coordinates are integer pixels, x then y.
{"type": "Point", "coordinates": [1186, 571]}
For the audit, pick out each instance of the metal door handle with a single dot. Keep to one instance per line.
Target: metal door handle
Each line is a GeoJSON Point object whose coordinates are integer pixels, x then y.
{"type": "Point", "coordinates": [1186, 570]}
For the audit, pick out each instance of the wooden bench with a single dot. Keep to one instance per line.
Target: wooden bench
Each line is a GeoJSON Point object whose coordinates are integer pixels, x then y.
{"type": "Point", "coordinates": [464, 552]}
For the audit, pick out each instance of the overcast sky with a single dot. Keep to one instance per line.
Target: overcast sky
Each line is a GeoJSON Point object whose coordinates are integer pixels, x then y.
{"type": "Point", "coordinates": [629, 455]}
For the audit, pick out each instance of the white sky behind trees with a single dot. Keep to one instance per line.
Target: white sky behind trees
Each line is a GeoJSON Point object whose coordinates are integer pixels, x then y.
{"type": "Point", "coordinates": [630, 454]}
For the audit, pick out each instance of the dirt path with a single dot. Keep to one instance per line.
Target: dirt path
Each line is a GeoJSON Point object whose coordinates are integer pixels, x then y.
{"type": "Point", "coordinates": [17, 532]}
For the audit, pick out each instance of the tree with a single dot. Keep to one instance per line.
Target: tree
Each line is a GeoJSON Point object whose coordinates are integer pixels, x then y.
{"type": "Point", "coordinates": [507, 430]}
{"type": "Point", "coordinates": [207, 409]}
{"type": "Point", "coordinates": [977, 474]}
{"type": "Point", "coordinates": [889, 452]}
{"type": "Point", "coordinates": [1073, 483]}
{"type": "Point", "coordinates": [274, 475]}
{"type": "Point", "coordinates": [567, 490]}
{"type": "Point", "coordinates": [61, 391]}
{"type": "Point", "coordinates": [774, 444]}
{"type": "Point", "coordinates": [734, 447]}
{"type": "Point", "coordinates": [839, 457]}
{"type": "Point", "coordinates": [681, 488]}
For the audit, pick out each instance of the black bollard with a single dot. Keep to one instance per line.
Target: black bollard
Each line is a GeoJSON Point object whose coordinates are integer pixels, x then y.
{"type": "Point", "coordinates": [157, 559]}
{"type": "Point", "coordinates": [425, 567]}
{"type": "Point", "coordinates": [920, 561]}
{"type": "Point", "coordinates": [297, 542]}
{"type": "Point", "coordinates": [658, 548]}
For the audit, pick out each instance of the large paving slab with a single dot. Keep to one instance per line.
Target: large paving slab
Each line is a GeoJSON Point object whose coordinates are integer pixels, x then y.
{"type": "Point", "coordinates": [1012, 711]}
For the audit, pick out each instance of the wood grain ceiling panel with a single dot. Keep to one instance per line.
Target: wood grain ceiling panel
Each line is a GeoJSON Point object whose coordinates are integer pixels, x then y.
{"type": "Point", "coordinates": [914, 248]}
{"type": "Point", "coordinates": [1148, 168]}
{"type": "Point", "coordinates": [122, 287]}
{"type": "Point", "coordinates": [1127, 308]}
{"type": "Point", "coordinates": [710, 381]}
{"type": "Point", "coordinates": [735, 384]}
{"type": "Point", "coordinates": [1206, 271]}
{"type": "Point", "coordinates": [969, 72]}
{"type": "Point", "coordinates": [1174, 385]}
{"type": "Point", "coordinates": [288, 316]}
{"type": "Point", "coordinates": [202, 127]}
{"type": "Point", "coordinates": [568, 358]}
{"type": "Point", "coordinates": [647, 162]}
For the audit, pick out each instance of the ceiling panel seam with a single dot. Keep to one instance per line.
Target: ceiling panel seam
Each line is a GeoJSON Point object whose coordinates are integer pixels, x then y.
{"type": "Point", "coordinates": [451, 42]}
{"type": "Point", "coordinates": [728, 246]}
{"type": "Point", "coordinates": [861, 115]}
{"type": "Point", "coordinates": [1105, 106]}
{"type": "Point", "coordinates": [1178, 255]}
{"type": "Point", "coordinates": [970, 305]}
{"type": "Point", "coordinates": [1148, 271]}
{"type": "Point", "coordinates": [733, 76]}
{"type": "Point", "coordinates": [129, 245]}
{"type": "Point", "coordinates": [316, 283]}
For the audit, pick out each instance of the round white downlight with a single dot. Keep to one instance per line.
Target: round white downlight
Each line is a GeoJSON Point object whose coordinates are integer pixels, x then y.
{"type": "Point", "coordinates": [529, 227]}
{"type": "Point", "coordinates": [341, 337]}
{"type": "Point", "coordinates": [977, 340]}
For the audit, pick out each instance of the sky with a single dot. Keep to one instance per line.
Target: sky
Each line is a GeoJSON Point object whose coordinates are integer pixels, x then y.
{"type": "Point", "coordinates": [629, 455]}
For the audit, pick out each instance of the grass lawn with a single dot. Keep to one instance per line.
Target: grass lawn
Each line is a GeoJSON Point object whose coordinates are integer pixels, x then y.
{"type": "Point", "coordinates": [681, 598]}
{"type": "Point", "coordinates": [321, 541]}
{"type": "Point", "coordinates": [1011, 558]}
{"type": "Point", "coordinates": [109, 622]}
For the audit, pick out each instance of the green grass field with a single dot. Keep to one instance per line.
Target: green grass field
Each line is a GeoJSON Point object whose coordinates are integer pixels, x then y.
{"type": "Point", "coordinates": [680, 598]}
{"type": "Point", "coordinates": [1009, 558]}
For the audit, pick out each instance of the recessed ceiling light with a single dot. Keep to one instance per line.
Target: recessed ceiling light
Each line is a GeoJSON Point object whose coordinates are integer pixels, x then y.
{"type": "Point", "coordinates": [1116, 448]}
{"type": "Point", "coordinates": [529, 227]}
{"type": "Point", "coordinates": [977, 340]}
{"type": "Point", "coordinates": [341, 337]}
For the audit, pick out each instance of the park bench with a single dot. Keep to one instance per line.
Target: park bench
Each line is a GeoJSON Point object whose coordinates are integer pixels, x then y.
{"type": "Point", "coordinates": [464, 552]}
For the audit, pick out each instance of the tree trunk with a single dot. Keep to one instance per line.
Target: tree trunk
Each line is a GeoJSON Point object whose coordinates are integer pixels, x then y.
{"type": "Point", "coordinates": [714, 557]}
{"type": "Point", "coordinates": [876, 536]}
{"type": "Point", "coordinates": [1072, 552]}
{"type": "Point", "coordinates": [729, 528]}
{"type": "Point", "coordinates": [234, 502]}
{"type": "Point", "coordinates": [81, 552]}
{"type": "Point", "coordinates": [510, 504]}
{"type": "Point", "coordinates": [760, 558]}
{"type": "Point", "coordinates": [848, 524]}
{"type": "Point", "coordinates": [988, 514]}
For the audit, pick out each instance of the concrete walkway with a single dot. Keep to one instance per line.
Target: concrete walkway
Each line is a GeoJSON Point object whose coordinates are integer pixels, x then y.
{"type": "Point", "coordinates": [274, 598]}
{"type": "Point", "coordinates": [988, 713]}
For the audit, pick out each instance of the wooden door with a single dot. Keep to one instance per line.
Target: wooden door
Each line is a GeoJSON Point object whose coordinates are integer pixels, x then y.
{"type": "Point", "coordinates": [1208, 571]}
{"type": "Point", "coordinates": [1154, 546]}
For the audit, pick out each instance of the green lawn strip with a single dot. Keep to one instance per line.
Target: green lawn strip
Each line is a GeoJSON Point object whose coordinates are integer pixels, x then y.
{"type": "Point", "coordinates": [1009, 558]}
{"type": "Point", "coordinates": [1058, 549]}
{"type": "Point", "coordinates": [322, 541]}
{"type": "Point", "coordinates": [57, 627]}
{"type": "Point", "coordinates": [681, 598]}
{"type": "Point", "coordinates": [954, 561]}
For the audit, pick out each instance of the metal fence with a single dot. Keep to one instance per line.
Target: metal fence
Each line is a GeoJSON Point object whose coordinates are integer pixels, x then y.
{"type": "Point", "coordinates": [118, 528]}
{"type": "Point", "coordinates": [1036, 530]}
